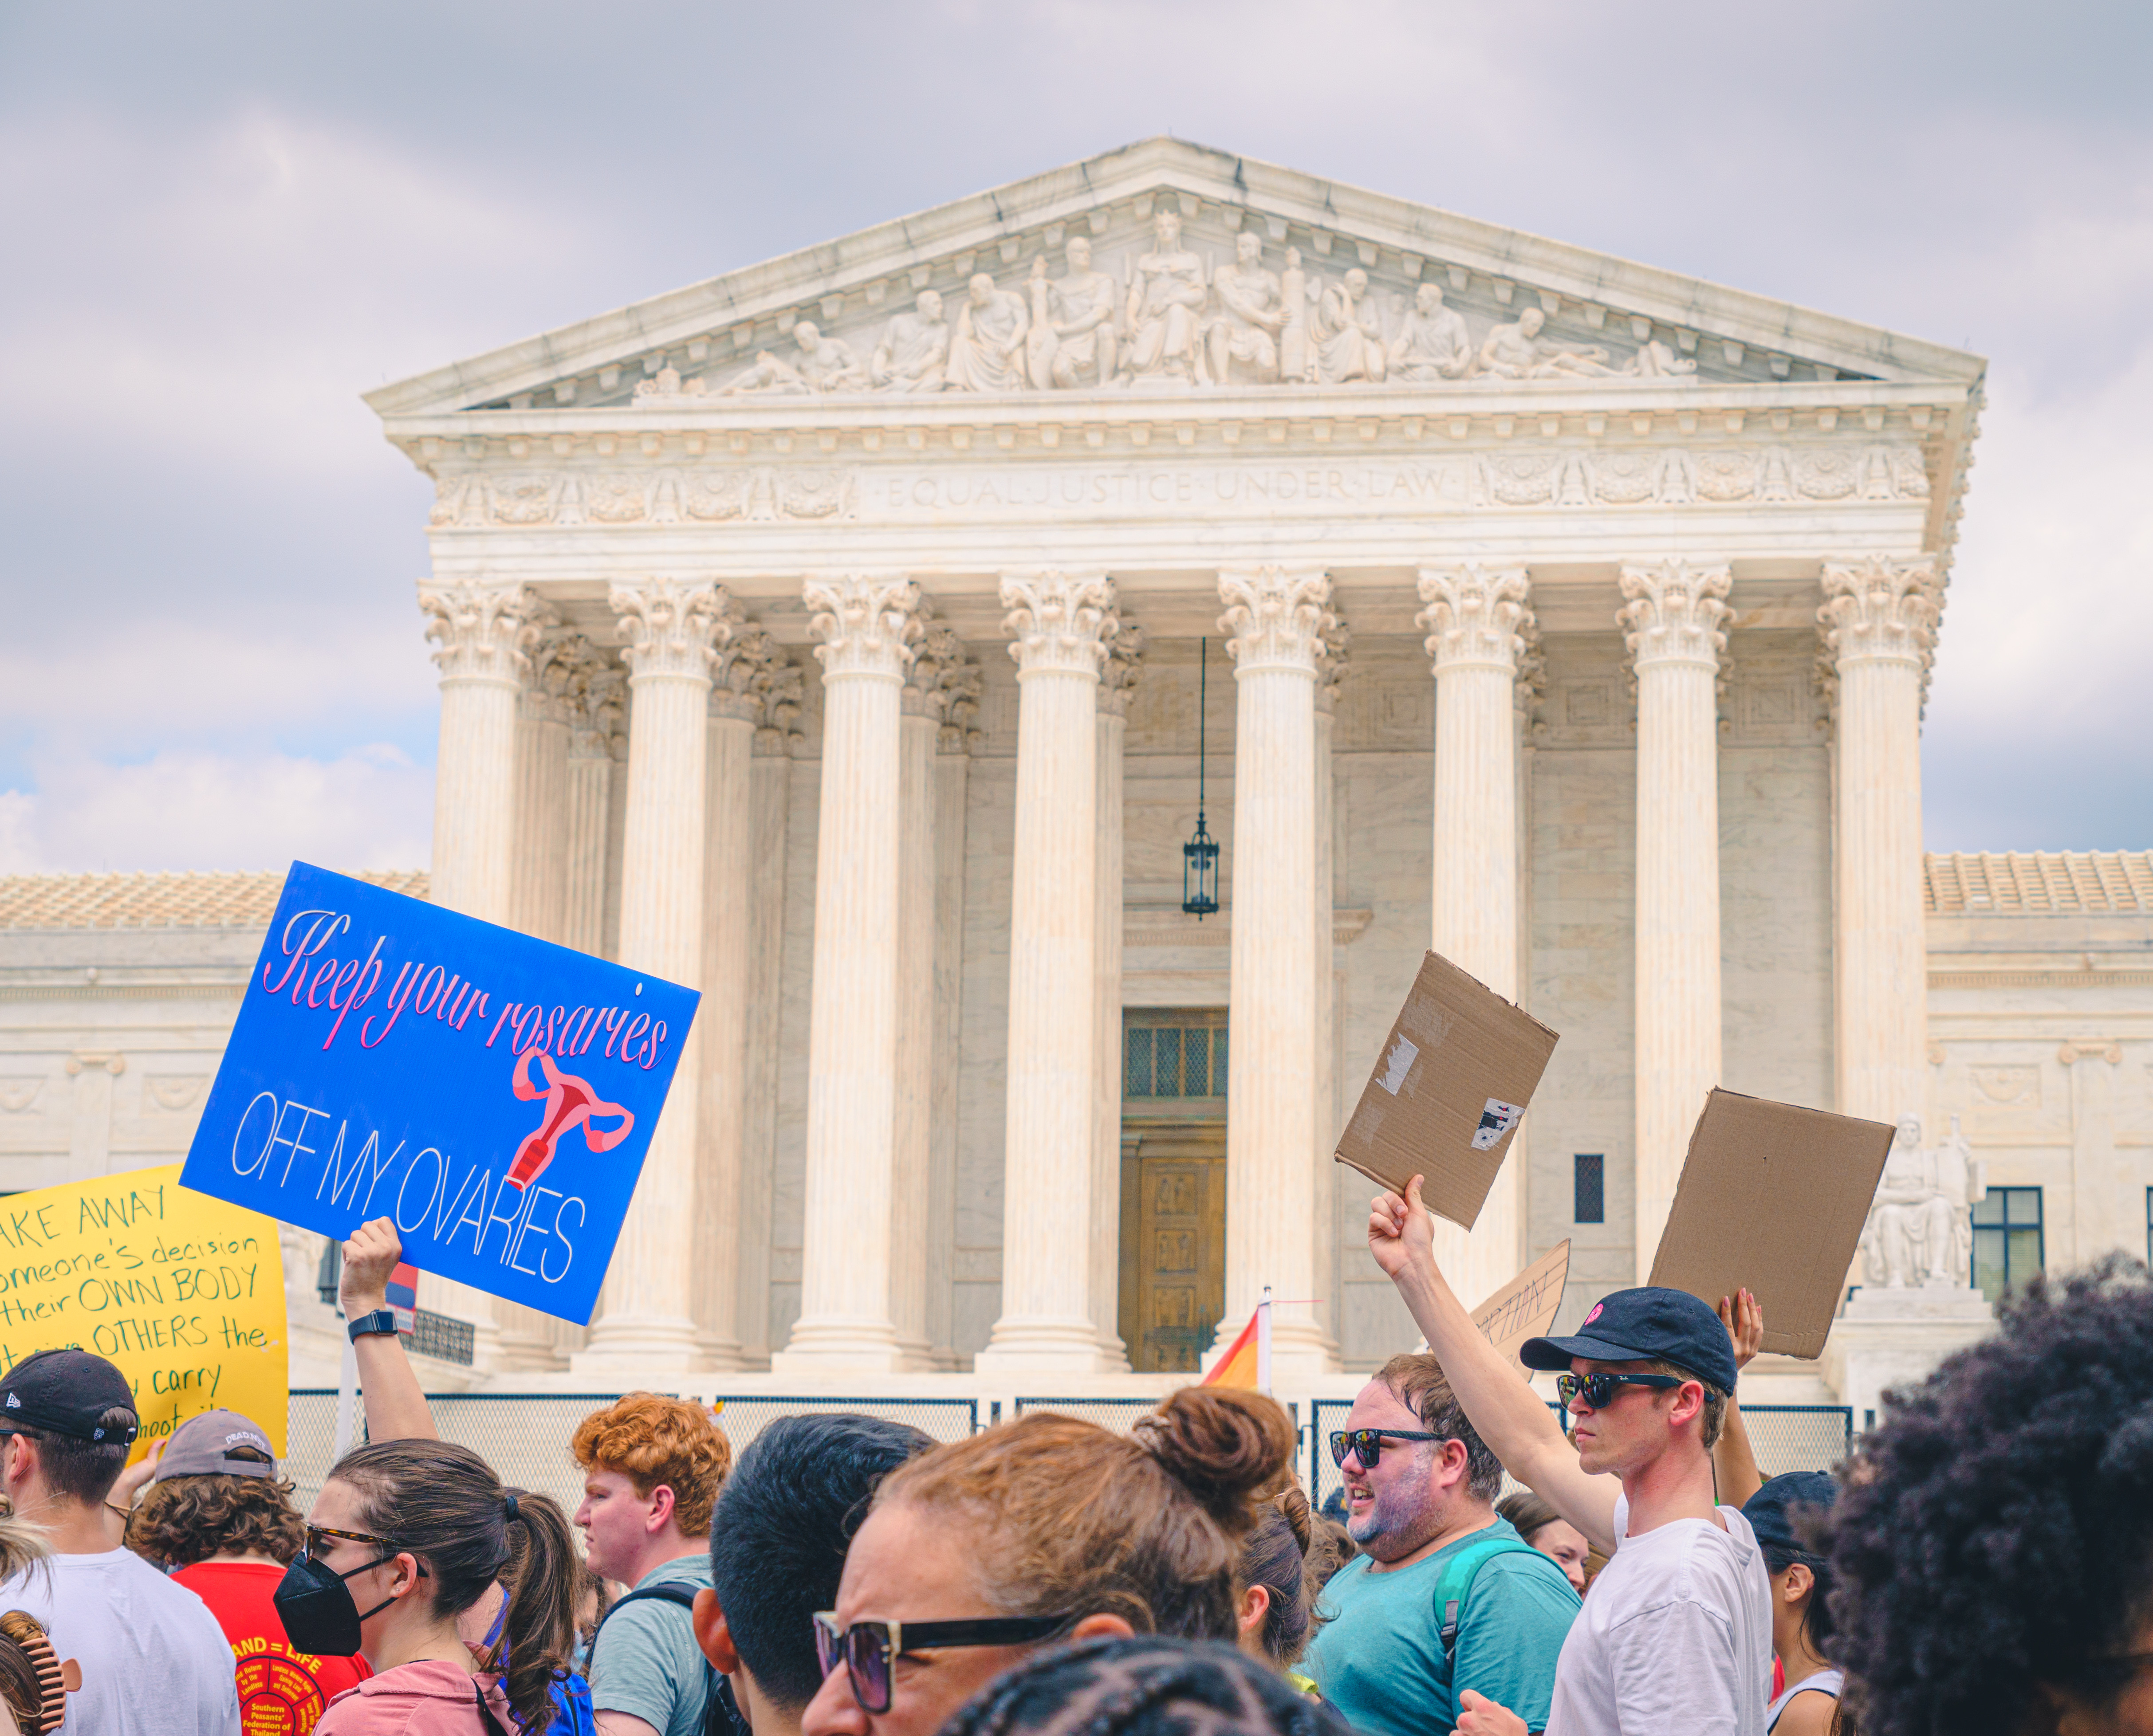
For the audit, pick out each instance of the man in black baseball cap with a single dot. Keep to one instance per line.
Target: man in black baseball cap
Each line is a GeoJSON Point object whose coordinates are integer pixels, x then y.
{"type": "Point", "coordinates": [1677, 1632]}
{"type": "Point", "coordinates": [67, 1422]}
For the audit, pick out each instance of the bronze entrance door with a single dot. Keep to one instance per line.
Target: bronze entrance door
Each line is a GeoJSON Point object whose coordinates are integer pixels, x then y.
{"type": "Point", "coordinates": [1174, 1186]}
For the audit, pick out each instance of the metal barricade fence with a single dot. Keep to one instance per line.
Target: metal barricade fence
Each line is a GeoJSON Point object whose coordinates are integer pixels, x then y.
{"type": "Point", "coordinates": [1118, 1414]}
{"type": "Point", "coordinates": [1784, 1438]}
{"type": "Point", "coordinates": [525, 1436]}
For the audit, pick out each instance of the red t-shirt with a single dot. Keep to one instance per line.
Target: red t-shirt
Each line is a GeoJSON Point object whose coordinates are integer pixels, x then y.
{"type": "Point", "coordinates": [281, 1693]}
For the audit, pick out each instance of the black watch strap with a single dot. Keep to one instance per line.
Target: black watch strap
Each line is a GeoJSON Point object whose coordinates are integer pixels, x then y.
{"type": "Point", "coordinates": [381, 1321]}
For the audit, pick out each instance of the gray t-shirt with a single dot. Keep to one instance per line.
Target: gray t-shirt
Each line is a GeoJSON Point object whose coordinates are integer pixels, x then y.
{"type": "Point", "coordinates": [646, 1662]}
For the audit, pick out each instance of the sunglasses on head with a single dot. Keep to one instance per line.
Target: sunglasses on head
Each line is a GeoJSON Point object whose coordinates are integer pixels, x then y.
{"type": "Point", "coordinates": [1599, 1387]}
{"type": "Point", "coordinates": [869, 1650]}
{"type": "Point", "coordinates": [1366, 1444]}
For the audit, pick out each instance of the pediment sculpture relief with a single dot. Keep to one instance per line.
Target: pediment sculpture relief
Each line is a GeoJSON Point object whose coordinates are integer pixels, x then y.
{"type": "Point", "coordinates": [1174, 319]}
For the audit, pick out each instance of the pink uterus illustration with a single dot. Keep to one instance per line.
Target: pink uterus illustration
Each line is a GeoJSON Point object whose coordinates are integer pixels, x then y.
{"type": "Point", "coordinates": [570, 1103]}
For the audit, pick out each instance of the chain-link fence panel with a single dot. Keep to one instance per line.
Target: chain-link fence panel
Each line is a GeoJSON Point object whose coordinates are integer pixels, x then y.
{"type": "Point", "coordinates": [525, 1436]}
{"type": "Point", "coordinates": [1118, 1414]}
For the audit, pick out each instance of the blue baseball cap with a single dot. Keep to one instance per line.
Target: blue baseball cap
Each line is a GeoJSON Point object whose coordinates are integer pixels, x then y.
{"type": "Point", "coordinates": [1648, 1324]}
{"type": "Point", "coordinates": [1772, 1510]}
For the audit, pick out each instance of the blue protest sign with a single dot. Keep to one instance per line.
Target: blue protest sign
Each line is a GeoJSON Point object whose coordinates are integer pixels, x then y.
{"type": "Point", "coordinates": [491, 1092]}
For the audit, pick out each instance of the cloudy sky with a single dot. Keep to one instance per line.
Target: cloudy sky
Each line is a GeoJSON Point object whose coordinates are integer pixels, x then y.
{"type": "Point", "coordinates": [228, 220]}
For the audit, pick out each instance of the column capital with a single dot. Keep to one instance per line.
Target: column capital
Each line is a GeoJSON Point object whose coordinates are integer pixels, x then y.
{"type": "Point", "coordinates": [1881, 610]}
{"type": "Point", "coordinates": [1058, 622]}
{"type": "Point", "coordinates": [1332, 654]}
{"type": "Point", "coordinates": [547, 680]}
{"type": "Point", "coordinates": [777, 692]}
{"type": "Point", "coordinates": [672, 630]}
{"type": "Point", "coordinates": [943, 677]}
{"type": "Point", "coordinates": [484, 632]}
{"type": "Point", "coordinates": [592, 699]}
{"type": "Point", "coordinates": [741, 672]}
{"type": "Point", "coordinates": [1675, 613]}
{"type": "Point", "coordinates": [867, 622]}
{"type": "Point", "coordinates": [1276, 616]}
{"type": "Point", "coordinates": [1118, 669]}
{"type": "Point", "coordinates": [1475, 615]}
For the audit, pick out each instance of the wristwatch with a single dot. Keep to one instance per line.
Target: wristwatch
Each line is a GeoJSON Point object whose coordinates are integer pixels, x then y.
{"type": "Point", "coordinates": [381, 1321]}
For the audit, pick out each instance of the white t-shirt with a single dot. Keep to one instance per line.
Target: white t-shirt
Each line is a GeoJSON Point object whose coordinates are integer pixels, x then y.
{"type": "Point", "coordinates": [1676, 1634]}
{"type": "Point", "coordinates": [153, 1659]}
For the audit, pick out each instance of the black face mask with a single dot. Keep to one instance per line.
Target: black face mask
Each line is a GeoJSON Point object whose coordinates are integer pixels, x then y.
{"type": "Point", "coordinates": [316, 1607]}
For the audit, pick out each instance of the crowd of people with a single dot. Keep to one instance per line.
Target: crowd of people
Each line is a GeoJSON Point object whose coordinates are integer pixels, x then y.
{"type": "Point", "coordinates": [1981, 1566]}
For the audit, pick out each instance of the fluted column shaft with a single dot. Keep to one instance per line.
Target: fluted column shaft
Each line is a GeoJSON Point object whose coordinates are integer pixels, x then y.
{"type": "Point", "coordinates": [770, 778]}
{"type": "Point", "coordinates": [1057, 621]}
{"type": "Point", "coordinates": [1473, 619]}
{"type": "Point", "coordinates": [1117, 675]}
{"type": "Point", "coordinates": [917, 728]}
{"type": "Point", "coordinates": [1274, 620]}
{"type": "Point", "coordinates": [538, 899]}
{"type": "Point", "coordinates": [593, 703]}
{"type": "Point", "coordinates": [866, 623]}
{"type": "Point", "coordinates": [673, 631]}
{"type": "Point", "coordinates": [952, 777]}
{"type": "Point", "coordinates": [1879, 620]}
{"type": "Point", "coordinates": [1673, 626]}
{"type": "Point", "coordinates": [1330, 668]}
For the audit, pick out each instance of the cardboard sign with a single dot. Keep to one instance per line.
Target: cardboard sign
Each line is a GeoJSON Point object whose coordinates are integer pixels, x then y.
{"type": "Point", "coordinates": [492, 1093]}
{"type": "Point", "coordinates": [185, 1293]}
{"type": "Point", "coordinates": [1772, 1196]}
{"type": "Point", "coordinates": [1449, 1089]}
{"type": "Point", "coordinates": [1525, 1307]}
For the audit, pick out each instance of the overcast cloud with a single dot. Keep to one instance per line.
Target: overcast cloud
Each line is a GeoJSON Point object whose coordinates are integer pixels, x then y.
{"type": "Point", "coordinates": [225, 221]}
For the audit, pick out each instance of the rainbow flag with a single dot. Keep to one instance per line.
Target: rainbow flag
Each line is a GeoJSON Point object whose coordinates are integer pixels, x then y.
{"type": "Point", "coordinates": [1247, 1362]}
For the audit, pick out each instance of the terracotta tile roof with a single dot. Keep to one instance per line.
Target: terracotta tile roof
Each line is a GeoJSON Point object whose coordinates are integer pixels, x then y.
{"type": "Point", "coordinates": [158, 901]}
{"type": "Point", "coordinates": [2039, 883]}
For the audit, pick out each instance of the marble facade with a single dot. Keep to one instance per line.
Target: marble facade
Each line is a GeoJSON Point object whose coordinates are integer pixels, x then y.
{"type": "Point", "coordinates": [827, 633]}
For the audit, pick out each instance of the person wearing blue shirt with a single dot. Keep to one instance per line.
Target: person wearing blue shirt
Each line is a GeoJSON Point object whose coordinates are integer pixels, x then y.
{"type": "Point", "coordinates": [1445, 1596]}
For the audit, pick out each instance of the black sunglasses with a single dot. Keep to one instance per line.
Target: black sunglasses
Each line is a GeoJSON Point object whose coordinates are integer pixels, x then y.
{"type": "Point", "coordinates": [1366, 1444]}
{"type": "Point", "coordinates": [1599, 1387]}
{"type": "Point", "coordinates": [869, 1649]}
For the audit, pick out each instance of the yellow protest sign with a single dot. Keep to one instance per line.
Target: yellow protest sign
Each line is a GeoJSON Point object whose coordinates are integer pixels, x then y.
{"type": "Point", "coordinates": [185, 1293]}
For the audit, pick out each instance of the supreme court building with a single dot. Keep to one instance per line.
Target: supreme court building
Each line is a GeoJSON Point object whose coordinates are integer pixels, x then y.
{"type": "Point", "coordinates": [829, 635]}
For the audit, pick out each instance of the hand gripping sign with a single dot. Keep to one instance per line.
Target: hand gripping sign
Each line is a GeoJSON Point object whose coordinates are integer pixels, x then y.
{"type": "Point", "coordinates": [493, 1093]}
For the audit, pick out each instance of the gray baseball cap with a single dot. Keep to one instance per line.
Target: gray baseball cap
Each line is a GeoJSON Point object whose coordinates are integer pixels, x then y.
{"type": "Point", "coordinates": [218, 1443]}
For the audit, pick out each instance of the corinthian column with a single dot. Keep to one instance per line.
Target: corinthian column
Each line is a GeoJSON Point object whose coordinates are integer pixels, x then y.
{"type": "Point", "coordinates": [1117, 674]}
{"type": "Point", "coordinates": [1274, 623]}
{"type": "Point", "coordinates": [1674, 625]}
{"type": "Point", "coordinates": [1879, 621]}
{"type": "Point", "coordinates": [866, 623]}
{"type": "Point", "coordinates": [672, 632]}
{"type": "Point", "coordinates": [1058, 622]}
{"type": "Point", "coordinates": [1474, 620]}
{"type": "Point", "coordinates": [722, 1024]}
{"type": "Point", "coordinates": [538, 897]}
{"type": "Point", "coordinates": [485, 636]}
{"type": "Point", "coordinates": [593, 699]}
{"type": "Point", "coordinates": [1330, 672]}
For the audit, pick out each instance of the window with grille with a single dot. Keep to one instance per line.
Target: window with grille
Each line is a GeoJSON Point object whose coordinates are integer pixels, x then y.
{"type": "Point", "coordinates": [2007, 1248]}
{"type": "Point", "coordinates": [1589, 1187]}
{"type": "Point", "coordinates": [1175, 1055]}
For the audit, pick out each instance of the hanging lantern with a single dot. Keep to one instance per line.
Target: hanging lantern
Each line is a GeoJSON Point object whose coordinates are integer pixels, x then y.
{"type": "Point", "coordinates": [1199, 855]}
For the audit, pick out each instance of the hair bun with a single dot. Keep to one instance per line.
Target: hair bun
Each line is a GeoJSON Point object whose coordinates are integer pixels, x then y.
{"type": "Point", "coordinates": [1223, 1445]}
{"type": "Point", "coordinates": [1294, 1508]}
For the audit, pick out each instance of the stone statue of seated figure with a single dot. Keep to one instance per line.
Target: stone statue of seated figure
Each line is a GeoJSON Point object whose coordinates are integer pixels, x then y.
{"type": "Point", "coordinates": [986, 351]}
{"type": "Point", "coordinates": [825, 364]}
{"type": "Point", "coordinates": [1433, 344]}
{"type": "Point", "coordinates": [1920, 1232]}
{"type": "Point", "coordinates": [1240, 334]}
{"type": "Point", "coordinates": [1518, 352]}
{"type": "Point", "coordinates": [915, 351]}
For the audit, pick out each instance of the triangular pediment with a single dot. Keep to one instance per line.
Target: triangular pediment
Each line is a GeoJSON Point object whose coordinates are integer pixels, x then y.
{"type": "Point", "coordinates": [702, 347]}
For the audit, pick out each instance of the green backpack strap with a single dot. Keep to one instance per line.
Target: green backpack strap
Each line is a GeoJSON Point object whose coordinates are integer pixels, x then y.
{"type": "Point", "coordinates": [1456, 1584]}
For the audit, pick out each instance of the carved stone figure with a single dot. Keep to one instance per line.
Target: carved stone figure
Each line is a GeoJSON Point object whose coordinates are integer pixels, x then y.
{"type": "Point", "coordinates": [1349, 343]}
{"type": "Point", "coordinates": [667, 383]}
{"type": "Point", "coordinates": [1075, 315]}
{"type": "Point", "coordinates": [1656, 361]}
{"type": "Point", "coordinates": [1293, 354]}
{"type": "Point", "coordinates": [1433, 344]}
{"type": "Point", "coordinates": [824, 364]}
{"type": "Point", "coordinates": [914, 355]}
{"type": "Point", "coordinates": [1166, 295]}
{"type": "Point", "coordinates": [986, 352]}
{"type": "Point", "coordinates": [1518, 352]}
{"type": "Point", "coordinates": [1240, 333]}
{"type": "Point", "coordinates": [1919, 1230]}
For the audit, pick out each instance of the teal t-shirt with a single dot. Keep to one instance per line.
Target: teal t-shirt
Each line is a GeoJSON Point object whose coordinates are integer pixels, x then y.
{"type": "Point", "coordinates": [1380, 1659]}
{"type": "Point", "coordinates": [647, 1663]}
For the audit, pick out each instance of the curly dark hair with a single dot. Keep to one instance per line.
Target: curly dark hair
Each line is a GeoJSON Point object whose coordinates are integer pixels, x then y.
{"type": "Point", "coordinates": [1146, 1686]}
{"type": "Point", "coordinates": [1992, 1543]}
{"type": "Point", "coordinates": [187, 1520]}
